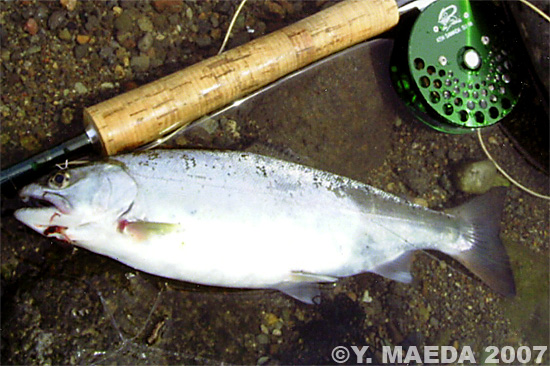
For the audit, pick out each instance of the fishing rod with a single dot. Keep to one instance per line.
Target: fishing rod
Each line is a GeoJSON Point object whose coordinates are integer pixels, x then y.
{"type": "Point", "coordinates": [455, 72]}
{"type": "Point", "coordinates": [144, 114]}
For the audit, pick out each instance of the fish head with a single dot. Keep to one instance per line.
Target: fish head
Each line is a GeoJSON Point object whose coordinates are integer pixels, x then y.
{"type": "Point", "coordinates": [72, 198]}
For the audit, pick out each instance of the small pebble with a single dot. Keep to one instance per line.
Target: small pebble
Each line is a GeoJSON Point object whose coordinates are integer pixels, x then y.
{"type": "Point", "coordinates": [107, 53]}
{"type": "Point", "coordinates": [124, 22]}
{"type": "Point", "coordinates": [140, 63]}
{"type": "Point", "coordinates": [70, 5]}
{"type": "Point", "coordinates": [80, 51]}
{"type": "Point", "coordinates": [57, 19]}
{"type": "Point", "coordinates": [478, 177]}
{"type": "Point", "coordinates": [119, 72]}
{"type": "Point", "coordinates": [421, 202]}
{"type": "Point", "coordinates": [203, 40]}
{"type": "Point", "coordinates": [5, 54]}
{"type": "Point", "coordinates": [271, 319]}
{"type": "Point", "coordinates": [145, 24]}
{"type": "Point", "coordinates": [107, 85]}
{"type": "Point", "coordinates": [41, 12]}
{"type": "Point", "coordinates": [262, 339]}
{"type": "Point", "coordinates": [129, 85]}
{"type": "Point", "coordinates": [126, 39]}
{"type": "Point", "coordinates": [168, 5]}
{"type": "Point", "coordinates": [455, 154]}
{"type": "Point", "coordinates": [64, 34]}
{"type": "Point", "coordinates": [145, 43]}
{"type": "Point", "coordinates": [80, 88]}
{"type": "Point", "coordinates": [239, 22]}
{"type": "Point", "coordinates": [214, 20]}
{"type": "Point", "coordinates": [67, 115]}
{"type": "Point", "coordinates": [83, 38]}
{"type": "Point", "coordinates": [366, 297]}
{"type": "Point", "coordinates": [31, 26]}
{"type": "Point", "coordinates": [174, 19]}
{"type": "Point", "coordinates": [33, 49]}
{"type": "Point", "coordinates": [216, 33]}
{"type": "Point", "coordinates": [29, 142]}
{"type": "Point", "coordinates": [275, 8]}
{"type": "Point", "coordinates": [117, 10]}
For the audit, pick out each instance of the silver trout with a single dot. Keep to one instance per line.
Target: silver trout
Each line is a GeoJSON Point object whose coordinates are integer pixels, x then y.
{"type": "Point", "coordinates": [236, 219]}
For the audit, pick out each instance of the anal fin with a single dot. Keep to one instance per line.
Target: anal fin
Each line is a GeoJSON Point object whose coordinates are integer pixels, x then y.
{"type": "Point", "coordinates": [398, 269]}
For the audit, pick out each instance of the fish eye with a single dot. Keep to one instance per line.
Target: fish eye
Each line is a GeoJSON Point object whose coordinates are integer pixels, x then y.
{"type": "Point", "coordinates": [59, 180]}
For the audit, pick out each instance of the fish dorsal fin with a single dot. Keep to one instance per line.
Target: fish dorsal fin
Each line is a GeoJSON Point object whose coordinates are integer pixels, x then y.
{"type": "Point", "coordinates": [303, 286]}
{"type": "Point", "coordinates": [398, 269]}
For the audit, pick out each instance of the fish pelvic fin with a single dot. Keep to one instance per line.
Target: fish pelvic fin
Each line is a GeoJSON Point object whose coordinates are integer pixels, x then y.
{"type": "Point", "coordinates": [304, 286]}
{"type": "Point", "coordinates": [307, 292]}
{"type": "Point", "coordinates": [487, 257]}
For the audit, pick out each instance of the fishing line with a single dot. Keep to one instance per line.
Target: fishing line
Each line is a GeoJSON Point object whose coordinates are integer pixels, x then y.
{"type": "Point", "coordinates": [536, 10]}
{"type": "Point", "coordinates": [68, 163]}
{"type": "Point", "coordinates": [202, 120]}
{"type": "Point", "coordinates": [233, 20]}
{"type": "Point", "coordinates": [114, 324]}
{"type": "Point", "coordinates": [484, 148]}
{"type": "Point", "coordinates": [506, 175]}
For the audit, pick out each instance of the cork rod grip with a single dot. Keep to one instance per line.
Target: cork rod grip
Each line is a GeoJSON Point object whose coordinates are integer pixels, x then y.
{"type": "Point", "coordinates": [146, 113]}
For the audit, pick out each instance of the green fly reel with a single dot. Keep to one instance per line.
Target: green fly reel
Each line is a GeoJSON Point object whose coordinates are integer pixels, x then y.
{"type": "Point", "coordinates": [459, 74]}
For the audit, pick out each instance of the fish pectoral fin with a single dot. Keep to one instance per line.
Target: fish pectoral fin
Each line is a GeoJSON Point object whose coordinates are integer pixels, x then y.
{"type": "Point", "coordinates": [142, 230]}
{"type": "Point", "coordinates": [398, 269]}
{"type": "Point", "coordinates": [304, 286]}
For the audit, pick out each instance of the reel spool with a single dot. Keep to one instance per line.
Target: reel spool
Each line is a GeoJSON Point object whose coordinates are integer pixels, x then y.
{"type": "Point", "coordinates": [458, 73]}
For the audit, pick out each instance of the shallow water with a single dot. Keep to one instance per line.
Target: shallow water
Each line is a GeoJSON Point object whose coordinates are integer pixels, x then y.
{"type": "Point", "coordinates": [61, 305]}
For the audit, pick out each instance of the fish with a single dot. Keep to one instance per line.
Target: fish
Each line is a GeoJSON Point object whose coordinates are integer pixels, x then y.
{"type": "Point", "coordinates": [242, 220]}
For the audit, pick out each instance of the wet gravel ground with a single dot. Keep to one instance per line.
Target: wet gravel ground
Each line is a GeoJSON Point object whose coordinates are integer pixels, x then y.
{"type": "Point", "coordinates": [61, 305]}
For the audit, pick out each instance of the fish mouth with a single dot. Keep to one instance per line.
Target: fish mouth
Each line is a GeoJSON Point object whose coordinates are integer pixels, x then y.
{"type": "Point", "coordinates": [35, 202]}
{"type": "Point", "coordinates": [44, 200]}
{"type": "Point", "coordinates": [44, 211]}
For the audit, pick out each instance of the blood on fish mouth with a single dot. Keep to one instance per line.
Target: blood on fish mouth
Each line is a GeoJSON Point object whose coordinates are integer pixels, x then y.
{"type": "Point", "coordinates": [54, 229]}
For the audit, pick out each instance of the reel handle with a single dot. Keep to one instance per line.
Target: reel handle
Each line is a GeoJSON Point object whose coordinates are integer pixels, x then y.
{"type": "Point", "coordinates": [146, 113]}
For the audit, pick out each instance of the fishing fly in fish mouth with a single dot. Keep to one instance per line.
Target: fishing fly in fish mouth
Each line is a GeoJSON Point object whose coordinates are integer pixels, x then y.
{"type": "Point", "coordinates": [214, 218]}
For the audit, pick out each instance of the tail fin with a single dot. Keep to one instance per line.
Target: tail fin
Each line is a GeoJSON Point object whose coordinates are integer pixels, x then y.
{"type": "Point", "coordinates": [487, 258]}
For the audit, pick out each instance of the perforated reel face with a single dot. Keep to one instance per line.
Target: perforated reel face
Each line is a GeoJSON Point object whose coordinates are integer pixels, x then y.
{"type": "Point", "coordinates": [461, 66]}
